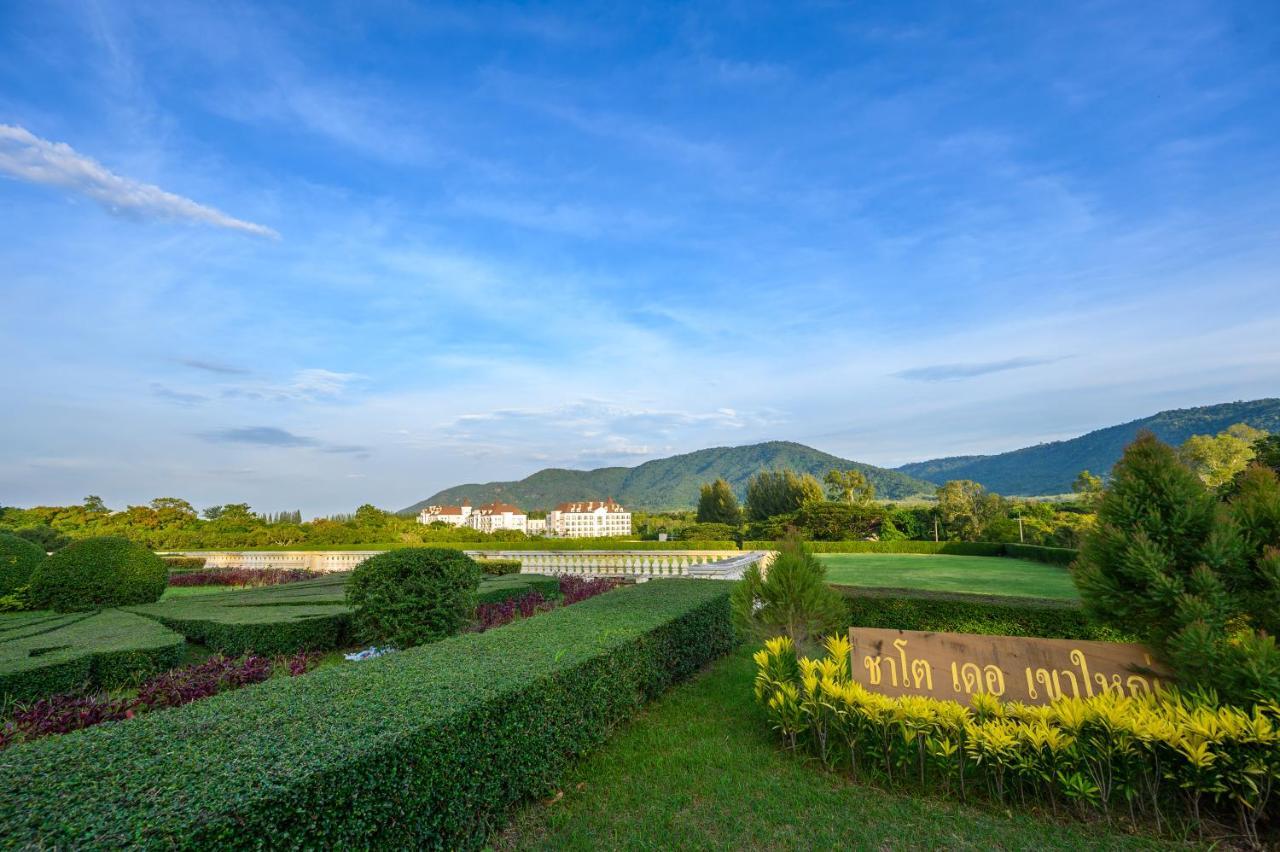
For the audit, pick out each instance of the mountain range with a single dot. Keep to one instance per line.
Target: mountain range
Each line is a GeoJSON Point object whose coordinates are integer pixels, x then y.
{"type": "Point", "coordinates": [672, 483]}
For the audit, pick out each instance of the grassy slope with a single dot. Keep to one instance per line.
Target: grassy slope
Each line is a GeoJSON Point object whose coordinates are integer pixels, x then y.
{"type": "Point", "coordinates": [987, 575]}
{"type": "Point", "coordinates": [699, 769]}
{"type": "Point", "coordinates": [1051, 468]}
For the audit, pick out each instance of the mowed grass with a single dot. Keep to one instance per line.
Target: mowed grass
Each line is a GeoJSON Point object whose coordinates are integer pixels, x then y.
{"type": "Point", "coordinates": [984, 575]}
{"type": "Point", "coordinates": [700, 769]}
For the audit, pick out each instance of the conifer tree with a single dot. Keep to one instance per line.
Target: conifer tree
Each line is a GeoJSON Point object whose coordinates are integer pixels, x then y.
{"type": "Point", "coordinates": [1199, 580]}
{"type": "Point", "coordinates": [717, 504]}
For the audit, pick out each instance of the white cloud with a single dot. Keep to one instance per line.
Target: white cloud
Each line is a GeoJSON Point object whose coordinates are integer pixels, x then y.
{"type": "Point", "coordinates": [27, 157]}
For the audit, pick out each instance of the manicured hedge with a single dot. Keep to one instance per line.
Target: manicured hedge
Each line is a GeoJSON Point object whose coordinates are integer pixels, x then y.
{"type": "Point", "coordinates": [18, 559]}
{"type": "Point", "coordinates": [523, 544]}
{"type": "Point", "coordinates": [907, 609]}
{"type": "Point", "coordinates": [499, 566]}
{"type": "Point", "coordinates": [184, 564]}
{"type": "Point", "coordinates": [430, 747]}
{"type": "Point", "coordinates": [93, 573]}
{"type": "Point", "coordinates": [1051, 555]}
{"type": "Point", "coordinates": [234, 627]}
{"type": "Point", "coordinates": [43, 653]}
{"type": "Point", "coordinates": [957, 548]}
{"type": "Point", "coordinates": [503, 588]}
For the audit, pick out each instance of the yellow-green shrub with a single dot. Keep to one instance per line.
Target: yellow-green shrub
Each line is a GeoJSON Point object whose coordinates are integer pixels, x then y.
{"type": "Point", "coordinates": [1152, 755]}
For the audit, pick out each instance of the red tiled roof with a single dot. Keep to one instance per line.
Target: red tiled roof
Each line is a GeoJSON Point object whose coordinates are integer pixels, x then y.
{"type": "Point", "coordinates": [497, 508]}
{"type": "Point", "coordinates": [443, 510]}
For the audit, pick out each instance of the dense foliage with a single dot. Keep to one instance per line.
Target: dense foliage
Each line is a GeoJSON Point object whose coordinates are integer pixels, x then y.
{"type": "Point", "coordinates": [61, 714]}
{"type": "Point", "coordinates": [18, 559]}
{"type": "Point", "coordinates": [413, 596]}
{"type": "Point", "coordinates": [779, 491]}
{"type": "Point", "coordinates": [240, 577]}
{"type": "Point", "coordinates": [1197, 578]}
{"type": "Point", "coordinates": [1052, 467]}
{"type": "Point", "coordinates": [1148, 756]}
{"type": "Point", "coordinates": [43, 654]}
{"type": "Point", "coordinates": [790, 598]}
{"type": "Point", "coordinates": [717, 504]}
{"type": "Point", "coordinates": [98, 572]}
{"type": "Point", "coordinates": [499, 566]}
{"type": "Point", "coordinates": [426, 748]}
{"type": "Point", "coordinates": [958, 613]}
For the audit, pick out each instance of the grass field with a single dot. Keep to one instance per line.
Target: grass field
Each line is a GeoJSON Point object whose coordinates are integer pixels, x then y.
{"type": "Point", "coordinates": [984, 575]}
{"type": "Point", "coordinates": [700, 769]}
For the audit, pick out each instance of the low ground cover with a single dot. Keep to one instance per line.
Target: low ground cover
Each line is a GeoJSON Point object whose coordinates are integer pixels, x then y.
{"type": "Point", "coordinates": [428, 747]}
{"type": "Point", "coordinates": [948, 573]}
{"type": "Point", "coordinates": [43, 653]}
{"type": "Point", "coordinates": [725, 784]}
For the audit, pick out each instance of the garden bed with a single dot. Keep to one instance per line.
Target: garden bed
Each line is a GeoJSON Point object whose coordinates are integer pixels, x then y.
{"type": "Point", "coordinates": [427, 747]}
{"type": "Point", "coordinates": [42, 653]}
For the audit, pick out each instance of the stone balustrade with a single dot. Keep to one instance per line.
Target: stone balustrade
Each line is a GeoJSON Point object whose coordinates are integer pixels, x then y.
{"type": "Point", "coordinates": [638, 564]}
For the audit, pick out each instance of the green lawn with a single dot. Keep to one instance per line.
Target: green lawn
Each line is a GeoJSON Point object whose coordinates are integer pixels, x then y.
{"type": "Point", "coordinates": [986, 575]}
{"type": "Point", "coordinates": [699, 769]}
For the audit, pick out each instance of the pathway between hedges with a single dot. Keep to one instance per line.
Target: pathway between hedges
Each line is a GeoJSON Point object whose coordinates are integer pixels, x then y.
{"type": "Point", "coordinates": [699, 769]}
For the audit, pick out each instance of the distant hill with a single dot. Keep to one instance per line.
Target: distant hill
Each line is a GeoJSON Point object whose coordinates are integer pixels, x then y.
{"type": "Point", "coordinates": [1051, 468]}
{"type": "Point", "coordinates": [670, 483]}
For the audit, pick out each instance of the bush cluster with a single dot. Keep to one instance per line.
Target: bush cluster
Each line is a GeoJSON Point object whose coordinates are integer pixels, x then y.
{"type": "Point", "coordinates": [94, 573]}
{"type": "Point", "coordinates": [1102, 755]}
{"type": "Point", "coordinates": [430, 747]}
{"type": "Point", "coordinates": [413, 596]}
{"type": "Point", "coordinates": [958, 548]}
{"type": "Point", "coordinates": [19, 558]}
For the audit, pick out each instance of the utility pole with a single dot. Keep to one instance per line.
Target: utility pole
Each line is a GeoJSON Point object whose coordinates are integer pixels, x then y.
{"type": "Point", "coordinates": [935, 529]}
{"type": "Point", "coordinates": [1021, 537]}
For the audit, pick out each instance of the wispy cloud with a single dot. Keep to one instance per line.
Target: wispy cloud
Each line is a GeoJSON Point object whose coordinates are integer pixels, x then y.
{"type": "Point", "coordinates": [956, 372]}
{"type": "Point", "coordinates": [213, 367]}
{"type": "Point", "coordinates": [27, 157]}
{"type": "Point", "coordinates": [262, 436]}
{"type": "Point", "coordinates": [179, 397]}
{"type": "Point", "coordinates": [306, 385]}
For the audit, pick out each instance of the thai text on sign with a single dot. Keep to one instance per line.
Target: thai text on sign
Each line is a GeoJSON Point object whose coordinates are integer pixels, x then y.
{"type": "Point", "coordinates": [957, 666]}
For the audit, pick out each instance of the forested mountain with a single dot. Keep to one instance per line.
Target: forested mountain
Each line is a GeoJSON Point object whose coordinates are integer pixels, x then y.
{"type": "Point", "coordinates": [1051, 468]}
{"type": "Point", "coordinates": [670, 483]}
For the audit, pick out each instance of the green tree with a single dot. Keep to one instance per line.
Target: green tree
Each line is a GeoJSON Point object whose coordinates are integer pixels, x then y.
{"type": "Point", "coordinates": [776, 492]}
{"type": "Point", "coordinates": [1088, 488]}
{"type": "Point", "coordinates": [967, 509]}
{"type": "Point", "coordinates": [717, 504]}
{"type": "Point", "coordinates": [792, 597]}
{"type": "Point", "coordinates": [94, 505]}
{"type": "Point", "coordinates": [851, 486]}
{"type": "Point", "coordinates": [1197, 578]}
{"type": "Point", "coordinates": [1216, 459]}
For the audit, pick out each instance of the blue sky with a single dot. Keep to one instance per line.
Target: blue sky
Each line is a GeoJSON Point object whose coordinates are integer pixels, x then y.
{"type": "Point", "coordinates": [316, 255]}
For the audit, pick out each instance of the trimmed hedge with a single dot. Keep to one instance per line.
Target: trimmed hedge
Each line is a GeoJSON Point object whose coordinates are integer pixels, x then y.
{"type": "Point", "coordinates": [498, 567]}
{"type": "Point", "coordinates": [430, 747]}
{"type": "Point", "coordinates": [520, 544]}
{"type": "Point", "coordinates": [1050, 555]}
{"type": "Point", "coordinates": [957, 548]}
{"type": "Point", "coordinates": [184, 564]}
{"type": "Point", "coordinates": [514, 586]}
{"type": "Point", "coordinates": [104, 571]}
{"type": "Point", "coordinates": [905, 609]}
{"type": "Point", "coordinates": [43, 653]}
{"type": "Point", "coordinates": [412, 596]}
{"type": "Point", "coordinates": [19, 558]}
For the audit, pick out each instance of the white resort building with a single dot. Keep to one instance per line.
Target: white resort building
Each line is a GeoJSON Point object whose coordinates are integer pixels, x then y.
{"type": "Point", "coordinates": [487, 518]}
{"type": "Point", "coordinates": [589, 519]}
{"type": "Point", "coordinates": [584, 519]}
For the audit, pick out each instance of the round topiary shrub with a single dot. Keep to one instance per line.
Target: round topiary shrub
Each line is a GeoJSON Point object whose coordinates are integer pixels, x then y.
{"type": "Point", "coordinates": [18, 559]}
{"type": "Point", "coordinates": [413, 596]}
{"type": "Point", "coordinates": [99, 572]}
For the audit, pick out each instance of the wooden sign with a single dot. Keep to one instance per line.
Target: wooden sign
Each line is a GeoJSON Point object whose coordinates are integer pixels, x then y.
{"type": "Point", "coordinates": [957, 666]}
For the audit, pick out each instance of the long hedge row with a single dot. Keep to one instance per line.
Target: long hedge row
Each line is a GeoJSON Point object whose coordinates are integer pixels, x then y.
{"type": "Point", "coordinates": [957, 548]}
{"type": "Point", "coordinates": [430, 747]}
{"type": "Point", "coordinates": [521, 544]}
{"type": "Point", "coordinates": [43, 653]}
{"type": "Point", "coordinates": [911, 609]}
{"type": "Point", "coordinates": [1037, 553]}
